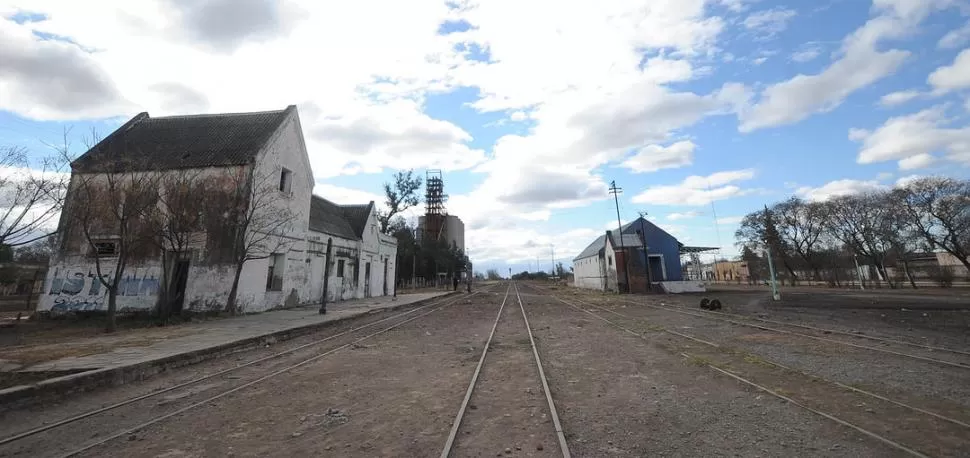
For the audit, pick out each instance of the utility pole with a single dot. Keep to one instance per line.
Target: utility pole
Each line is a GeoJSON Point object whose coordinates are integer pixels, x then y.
{"type": "Point", "coordinates": [771, 270]}
{"type": "Point", "coordinates": [858, 271]}
{"type": "Point", "coordinates": [326, 276]}
{"type": "Point", "coordinates": [646, 258]}
{"type": "Point", "coordinates": [619, 231]}
{"type": "Point", "coordinates": [553, 248]}
{"type": "Point", "coordinates": [771, 264]}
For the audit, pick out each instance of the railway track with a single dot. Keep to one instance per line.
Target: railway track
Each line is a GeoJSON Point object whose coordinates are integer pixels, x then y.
{"type": "Point", "coordinates": [900, 353]}
{"type": "Point", "coordinates": [907, 428]}
{"type": "Point", "coordinates": [245, 375]}
{"type": "Point", "coordinates": [893, 341]}
{"type": "Point", "coordinates": [508, 362]}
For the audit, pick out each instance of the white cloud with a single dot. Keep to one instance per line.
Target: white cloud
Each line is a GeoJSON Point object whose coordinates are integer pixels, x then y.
{"type": "Point", "coordinates": [903, 181]}
{"type": "Point", "coordinates": [760, 60]}
{"type": "Point", "coordinates": [952, 77]}
{"type": "Point", "coordinates": [838, 188]}
{"type": "Point", "coordinates": [655, 157]}
{"type": "Point", "coordinates": [730, 220]}
{"type": "Point", "coordinates": [769, 22]}
{"type": "Point", "coordinates": [911, 138]}
{"type": "Point", "coordinates": [955, 38]}
{"type": "Point", "coordinates": [883, 176]}
{"type": "Point", "coordinates": [805, 55]}
{"type": "Point", "coordinates": [176, 56]}
{"type": "Point", "coordinates": [860, 64]}
{"type": "Point", "coordinates": [697, 190]}
{"type": "Point", "coordinates": [346, 196]}
{"type": "Point", "coordinates": [684, 215]}
{"type": "Point", "coordinates": [919, 161]}
{"type": "Point", "coordinates": [898, 98]}
{"type": "Point", "coordinates": [733, 5]}
{"type": "Point", "coordinates": [612, 225]}
{"type": "Point", "coordinates": [396, 135]}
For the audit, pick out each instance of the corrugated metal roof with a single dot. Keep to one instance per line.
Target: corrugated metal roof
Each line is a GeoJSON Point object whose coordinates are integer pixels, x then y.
{"type": "Point", "coordinates": [329, 218]}
{"type": "Point", "coordinates": [171, 142]}
{"type": "Point", "coordinates": [593, 249]}
{"type": "Point", "coordinates": [629, 240]}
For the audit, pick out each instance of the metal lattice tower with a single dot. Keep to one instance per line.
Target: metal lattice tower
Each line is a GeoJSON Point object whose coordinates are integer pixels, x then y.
{"type": "Point", "coordinates": [434, 201]}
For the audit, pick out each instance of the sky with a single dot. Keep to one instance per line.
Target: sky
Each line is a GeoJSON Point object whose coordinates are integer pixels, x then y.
{"type": "Point", "coordinates": [701, 111]}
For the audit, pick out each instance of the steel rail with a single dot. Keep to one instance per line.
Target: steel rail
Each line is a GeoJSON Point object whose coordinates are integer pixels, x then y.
{"type": "Point", "coordinates": [563, 446]}
{"type": "Point", "coordinates": [831, 331]}
{"type": "Point", "coordinates": [252, 382]}
{"type": "Point", "coordinates": [450, 442]}
{"type": "Point", "coordinates": [807, 336]}
{"type": "Point", "coordinates": [81, 416]}
{"type": "Point", "coordinates": [840, 421]}
{"type": "Point", "coordinates": [797, 371]}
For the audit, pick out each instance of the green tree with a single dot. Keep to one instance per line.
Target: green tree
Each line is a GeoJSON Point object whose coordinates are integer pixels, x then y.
{"type": "Point", "coordinates": [399, 196]}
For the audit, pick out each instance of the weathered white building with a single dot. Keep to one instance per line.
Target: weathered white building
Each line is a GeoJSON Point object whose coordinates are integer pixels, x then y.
{"type": "Point", "coordinates": [268, 151]}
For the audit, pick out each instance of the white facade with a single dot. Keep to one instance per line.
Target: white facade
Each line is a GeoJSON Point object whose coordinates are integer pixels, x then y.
{"type": "Point", "coordinates": [596, 267]}
{"type": "Point", "coordinates": [72, 283]}
{"type": "Point", "coordinates": [588, 273]}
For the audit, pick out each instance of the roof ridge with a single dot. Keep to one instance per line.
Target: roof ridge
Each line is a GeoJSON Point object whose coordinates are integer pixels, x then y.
{"type": "Point", "coordinates": [213, 115]}
{"type": "Point", "coordinates": [314, 196]}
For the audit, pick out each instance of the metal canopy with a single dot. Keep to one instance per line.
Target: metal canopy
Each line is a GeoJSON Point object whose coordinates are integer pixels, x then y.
{"type": "Point", "coordinates": [697, 249]}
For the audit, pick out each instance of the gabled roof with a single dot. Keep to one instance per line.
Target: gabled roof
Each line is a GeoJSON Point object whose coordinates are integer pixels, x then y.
{"type": "Point", "coordinates": [593, 249]}
{"type": "Point", "coordinates": [357, 216]}
{"type": "Point", "coordinates": [172, 142]}
{"type": "Point", "coordinates": [329, 218]}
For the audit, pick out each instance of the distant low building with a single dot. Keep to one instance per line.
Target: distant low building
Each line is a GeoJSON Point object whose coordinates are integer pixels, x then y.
{"type": "Point", "coordinates": [602, 265]}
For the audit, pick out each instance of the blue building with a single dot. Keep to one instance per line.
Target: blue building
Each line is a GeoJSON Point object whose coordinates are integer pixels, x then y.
{"type": "Point", "coordinates": [617, 255]}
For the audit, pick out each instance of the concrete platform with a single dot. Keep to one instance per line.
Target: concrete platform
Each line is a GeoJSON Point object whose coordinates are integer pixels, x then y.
{"type": "Point", "coordinates": [206, 340]}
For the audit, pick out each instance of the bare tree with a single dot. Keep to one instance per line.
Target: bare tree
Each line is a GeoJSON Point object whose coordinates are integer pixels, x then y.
{"type": "Point", "coordinates": [111, 210]}
{"type": "Point", "coordinates": [859, 222]}
{"type": "Point", "coordinates": [178, 225]}
{"type": "Point", "coordinates": [760, 229]}
{"type": "Point", "coordinates": [259, 218]}
{"type": "Point", "coordinates": [399, 197]}
{"type": "Point", "coordinates": [30, 199]}
{"type": "Point", "coordinates": [938, 210]}
{"type": "Point", "coordinates": [800, 226]}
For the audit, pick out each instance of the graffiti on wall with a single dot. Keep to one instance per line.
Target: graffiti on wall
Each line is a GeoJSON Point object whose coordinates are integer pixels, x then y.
{"type": "Point", "coordinates": [77, 290]}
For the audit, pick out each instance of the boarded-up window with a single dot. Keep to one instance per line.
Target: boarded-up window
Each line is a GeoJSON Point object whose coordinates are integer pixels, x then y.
{"type": "Point", "coordinates": [105, 248]}
{"type": "Point", "coordinates": [274, 273]}
{"type": "Point", "coordinates": [340, 267]}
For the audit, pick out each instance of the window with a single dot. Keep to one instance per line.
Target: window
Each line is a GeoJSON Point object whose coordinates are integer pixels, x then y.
{"type": "Point", "coordinates": [106, 248]}
{"type": "Point", "coordinates": [274, 273]}
{"type": "Point", "coordinates": [286, 180]}
{"type": "Point", "coordinates": [340, 268]}
{"type": "Point", "coordinates": [610, 260]}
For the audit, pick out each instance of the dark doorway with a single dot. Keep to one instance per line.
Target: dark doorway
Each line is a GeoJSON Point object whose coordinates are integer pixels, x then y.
{"type": "Point", "coordinates": [367, 280]}
{"type": "Point", "coordinates": [180, 276]}
{"type": "Point", "coordinates": [656, 269]}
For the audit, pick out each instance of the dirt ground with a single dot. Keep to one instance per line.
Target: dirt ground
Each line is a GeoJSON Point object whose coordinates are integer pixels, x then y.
{"type": "Point", "coordinates": [627, 388]}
